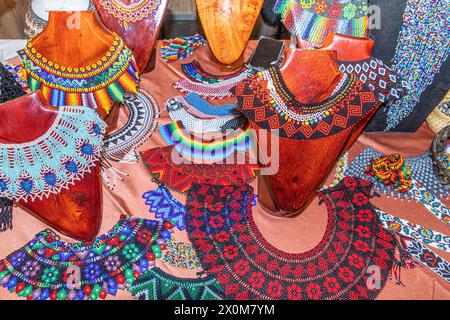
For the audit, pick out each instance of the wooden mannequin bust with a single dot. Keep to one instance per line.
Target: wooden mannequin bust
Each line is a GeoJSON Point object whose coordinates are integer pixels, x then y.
{"type": "Point", "coordinates": [76, 211]}
{"type": "Point", "coordinates": [349, 48]}
{"type": "Point", "coordinates": [228, 26]}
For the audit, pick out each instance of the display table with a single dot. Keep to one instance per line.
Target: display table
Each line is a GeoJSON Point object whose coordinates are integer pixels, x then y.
{"type": "Point", "coordinates": [293, 235]}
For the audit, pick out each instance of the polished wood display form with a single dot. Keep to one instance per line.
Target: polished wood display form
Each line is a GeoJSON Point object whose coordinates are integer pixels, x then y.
{"type": "Point", "coordinates": [76, 211]}
{"type": "Point", "coordinates": [228, 25]}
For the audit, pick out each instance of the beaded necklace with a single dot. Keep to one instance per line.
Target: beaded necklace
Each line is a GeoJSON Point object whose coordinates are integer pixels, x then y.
{"type": "Point", "coordinates": [158, 285]}
{"type": "Point", "coordinates": [423, 46]}
{"type": "Point", "coordinates": [143, 112]}
{"type": "Point", "coordinates": [47, 268]}
{"type": "Point", "coordinates": [204, 148]}
{"type": "Point", "coordinates": [35, 24]}
{"type": "Point", "coordinates": [207, 85]}
{"type": "Point", "coordinates": [222, 229]}
{"type": "Point", "coordinates": [18, 74]}
{"type": "Point", "coordinates": [181, 255]}
{"type": "Point", "coordinates": [9, 87]}
{"type": "Point", "coordinates": [178, 112]}
{"type": "Point", "coordinates": [180, 176]}
{"type": "Point", "coordinates": [130, 13]}
{"type": "Point", "coordinates": [266, 101]}
{"type": "Point", "coordinates": [96, 86]}
{"type": "Point", "coordinates": [200, 108]}
{"type": "Point", "coordinates": [54, 161]}
{"type": "Point", "coordinates": [421, 168]}
{"type": "Point", "coordinates": [313, 20]}
{"type": "Point", "coordinates": [181, 47]}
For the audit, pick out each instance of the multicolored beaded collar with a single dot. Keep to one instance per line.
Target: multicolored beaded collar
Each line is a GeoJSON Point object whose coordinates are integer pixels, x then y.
{"type": "Point", "coordinates": [423, 46]}
{"type": "Point", "coordinates": [421, 168]}
{"type": "Point", "coordinates": [229, 245]}
{"type": "Point", "coordinates": [180, 176]}
{"type": "Point", "coordinates": [313, 20]}
{"type": "Point", "coordinates": [47, 268]}
{"type": "Point", "coordinates": [181, 47]}
{"type": "Point", "coordinates": [143, 111]}
{"type": "Point", "coordinates": [203, 147]}
{"type": "Point", "coordinates": [55, 160]}
{"type": "Point", "coordinates": [158, 285]}
{"type": "Point", "coordinates": [130, 13]}
{"type": "Point", "coordinates": [207, 85]}
{"type": "Point", "coordinates": [265, 100]}
{"type": "Point", "coordinates": [96, 86]}
{"type": "Point", "coordinates": [178, 112]}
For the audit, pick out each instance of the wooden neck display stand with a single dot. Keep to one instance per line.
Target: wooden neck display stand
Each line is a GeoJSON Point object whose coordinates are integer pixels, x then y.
{"type": "Point", "coordinates": [140, 36]}
{"type": "Point", "coordinates": [228, 26]}
{"type": "Point", "coordinates": [349, 48]}
{"type": "Point", "coordinates": [77, 211]}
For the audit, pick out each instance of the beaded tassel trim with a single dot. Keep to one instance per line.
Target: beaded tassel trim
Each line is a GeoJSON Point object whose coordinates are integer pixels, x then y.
{"type": "Point", "coordinates": [267, 102]}
{"type": "Point", "coordinates": [143, 112]}
{"type": "Point", "coordinates": [313, 20]}
{"type": "Point", "coordinates": [181, 47]}
{"type": "Point", "coordinates": [203, 147]}
{"type": "Point", "coordinates": [166, 167]}
{"type": "Point", "coordinates": [55, 160]}
{"type": "Point", "coordinates": [222, 229]}
{"type": "Point", "coordinates": [421, 171]}
{"type": "Point", "coordinates": [181, 255]}
{"type": "Point", "coordinates": [423, 46]}
{"type": "Point", "coordinates": [130, 13]}
{"type": "Point", "coordinates": [200, 108]}
{"type": "Point", "coordinates": [95, 86]}
{"type": "Point", "coordinates": [35, 24]}
{"type": "Point", "coordinates": [207, 85]}
{"type": "Point", "coordinates": [158, 285]}
{"type": "Point", "coordinates": [178, 112]}
{"type": "Point", "coordinates": [47, 268]}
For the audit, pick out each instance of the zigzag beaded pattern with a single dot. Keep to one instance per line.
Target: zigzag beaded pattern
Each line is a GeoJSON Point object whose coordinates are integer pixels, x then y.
{"type": "Point", "coordinates": [221, 228]}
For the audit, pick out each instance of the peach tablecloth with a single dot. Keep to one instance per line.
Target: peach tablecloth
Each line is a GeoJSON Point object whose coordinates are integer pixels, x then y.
{"type": "Point", "coordinates": [293, 235]}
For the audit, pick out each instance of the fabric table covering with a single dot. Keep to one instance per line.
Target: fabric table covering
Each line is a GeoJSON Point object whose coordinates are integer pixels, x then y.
{"type": "Point", "coordinates": [293, 235]}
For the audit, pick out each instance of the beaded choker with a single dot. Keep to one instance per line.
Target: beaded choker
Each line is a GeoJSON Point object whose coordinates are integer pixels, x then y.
{"type": "Point", "coordinates": [423, 46]}
{"type": "Point", "coordinates": [130, 13]}
{"type": "Point", "coordinates": [177, 112]}
{"type": "Point", "coordinates": [421, 169]}
{"type": "Point", "coordinates": [143, 112]}
{"type": "Point", "coordinates": [47, 268]}
{"type": "Point", "coordinates": [313, 20]}
{"type": "Point", "coordinates": [265, 100]}
{"type": "Point", "coordinates": [9, 88]}
{"type": "Point", "coordinates": [205, 148]}
{"type": "Point", "coordinates": [222, 229]}
{"type": "Point", "coordinates": [200, 108]}
{"type": "Point", "coordinates": [96, 86]}
{"type": "Point", "coordinates": [207, 85]}
{"type": "Point", "coordinates": [180, 176]}
{"type": "Point", "coordinates": [54, 161]}
{"type": "Point", "coordinates": [158, 285]}
{"type": "Point", "coordinates": [181, 47]}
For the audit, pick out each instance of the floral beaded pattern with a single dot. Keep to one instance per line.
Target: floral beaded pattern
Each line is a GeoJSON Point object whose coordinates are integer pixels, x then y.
{"type": "Point", "coordinates": [313, 20]}
{"type": "Point", "coordinates": [267, 102]}
{"type": "Point", "coordinates": [47, 268]}
{"type": "Point", "coordinates": [54, 161]}
{"type": "Point", "coordinates": [229, 245]}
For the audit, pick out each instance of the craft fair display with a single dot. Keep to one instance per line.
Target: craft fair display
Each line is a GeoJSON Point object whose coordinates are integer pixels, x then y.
{"type": "Point", "coordinates": [94, 71]}
{"type": "Point", "coordinates": [227, 26]}
{"type": "Point", "coordinates": [138, 23]}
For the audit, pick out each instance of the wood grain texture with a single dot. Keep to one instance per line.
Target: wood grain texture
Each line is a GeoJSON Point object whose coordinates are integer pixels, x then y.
{"type": "Point", "coordinates": [11, 19]}
{"type": "Point", "coordinates": [228, 25]}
